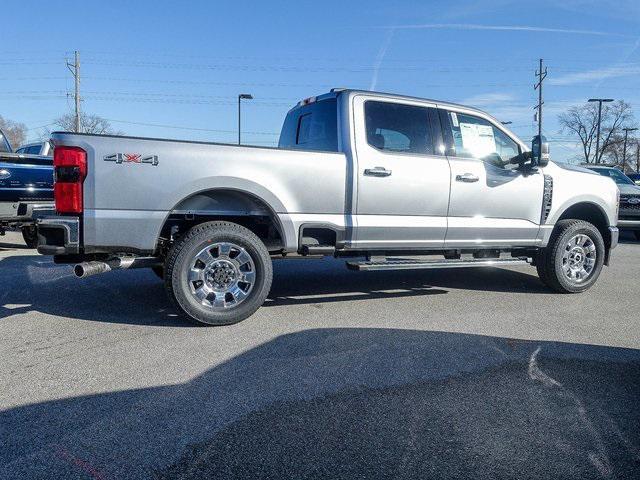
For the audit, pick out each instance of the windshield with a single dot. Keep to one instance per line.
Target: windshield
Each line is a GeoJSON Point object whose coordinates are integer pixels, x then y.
{"type": "Point", "coordinates": [615, 174]}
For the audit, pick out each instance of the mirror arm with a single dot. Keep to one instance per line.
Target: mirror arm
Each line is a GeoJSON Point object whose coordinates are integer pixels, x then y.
{"type": "Point", "coordinates": [521, 158]}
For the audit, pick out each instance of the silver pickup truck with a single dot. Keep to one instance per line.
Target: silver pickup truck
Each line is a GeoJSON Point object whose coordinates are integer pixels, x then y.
{"type": "Point", "coordinates": [379, 178]}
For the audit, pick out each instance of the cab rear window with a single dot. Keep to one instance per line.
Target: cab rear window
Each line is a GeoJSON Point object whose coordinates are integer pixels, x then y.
{"type": "Point", "coordinates": [311, 127]}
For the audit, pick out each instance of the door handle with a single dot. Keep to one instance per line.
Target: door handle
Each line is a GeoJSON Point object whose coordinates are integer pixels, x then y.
{"type": "Point", "coordinates": [467, 177]}
{"type": "Point", "coordinates": [377, 172]}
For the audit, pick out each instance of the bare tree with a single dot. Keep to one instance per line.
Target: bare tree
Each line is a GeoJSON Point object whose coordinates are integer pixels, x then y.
{"type": "Point", "coordinates": [615, 154]}
{"type": "Point", "coordinates": [88, 124]}
{"type": "Point", "coordinates": [15, 132]}
{"type": "Point", "coordinates": [583, 121]}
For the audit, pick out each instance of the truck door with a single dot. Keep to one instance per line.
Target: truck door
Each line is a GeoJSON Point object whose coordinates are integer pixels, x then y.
{"type": "Point", "coordinates": [492, 203]}
{"type": "Point", "coordinates": [402, 183]}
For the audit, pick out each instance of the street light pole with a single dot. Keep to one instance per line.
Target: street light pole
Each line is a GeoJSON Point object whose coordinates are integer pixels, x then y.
{"type": "Point", "coordinates": [624, 147]}
{"type": "Point", "coordinates": [245, 96]}
{"type": "Point", "coordinates": [600, 102]}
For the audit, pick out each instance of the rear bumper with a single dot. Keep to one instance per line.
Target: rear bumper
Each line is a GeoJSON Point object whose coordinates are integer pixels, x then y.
{"type": "Point", "coordinates": [24, 212]}
{"type": "Point", "coordinates": [58, 235]}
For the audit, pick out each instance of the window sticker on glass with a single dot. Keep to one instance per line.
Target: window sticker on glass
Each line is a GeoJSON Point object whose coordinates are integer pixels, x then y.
{"type": "Point", "coordinates": [478, 139]}
{"type": "Point", "coordinates": [454, 119]}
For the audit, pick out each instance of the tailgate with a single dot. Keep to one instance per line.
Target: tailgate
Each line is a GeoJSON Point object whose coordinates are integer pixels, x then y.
{"type": "Point", "coordinates": [22, 179]}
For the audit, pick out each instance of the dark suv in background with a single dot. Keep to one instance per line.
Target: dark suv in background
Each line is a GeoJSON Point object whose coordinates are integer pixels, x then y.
{"type": "Point", "coordinates": [635, 177]}
{"type": "Point", "coordinates": [629, 216]}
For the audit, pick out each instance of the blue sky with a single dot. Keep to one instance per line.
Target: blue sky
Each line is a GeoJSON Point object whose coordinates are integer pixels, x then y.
{"type": "Point", "coordinates": [174, 69]}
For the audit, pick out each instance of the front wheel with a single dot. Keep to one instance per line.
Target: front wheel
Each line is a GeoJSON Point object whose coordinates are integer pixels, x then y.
{"type": "Point", "coordinates": [219, 273]}
{"type": "Point", "coordinates": [573, 259]}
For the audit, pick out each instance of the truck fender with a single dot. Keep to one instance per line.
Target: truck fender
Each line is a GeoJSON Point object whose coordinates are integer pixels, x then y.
{"type": "Point", "coordinates": [234, 196]}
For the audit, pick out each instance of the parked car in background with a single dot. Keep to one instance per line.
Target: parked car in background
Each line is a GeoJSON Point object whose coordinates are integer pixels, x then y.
{"type": "Point", "coordinates": [635, 177]}
{"type": "Point", "coordinates": [629, 213]}
{"type": "Point", "coordinates": [43, 149]}
{"type": "Point", "coordinates": [26, 188]}
{"type": "Point", "coordinates": [357, 174]}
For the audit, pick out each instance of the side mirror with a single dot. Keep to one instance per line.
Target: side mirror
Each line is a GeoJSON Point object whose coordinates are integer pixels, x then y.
{"type": "Point", "coordinates": [540, 150]}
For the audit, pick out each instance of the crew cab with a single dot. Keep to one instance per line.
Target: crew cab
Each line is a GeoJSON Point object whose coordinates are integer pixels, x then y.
{"type": "Point", "coordinates": [26, 188]}
{"type": "Point", "coordinates": [387, 181]}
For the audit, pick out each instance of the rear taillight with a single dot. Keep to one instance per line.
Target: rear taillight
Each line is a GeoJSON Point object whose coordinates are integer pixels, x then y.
{"type": "Point", "coordinates": [70, 167]}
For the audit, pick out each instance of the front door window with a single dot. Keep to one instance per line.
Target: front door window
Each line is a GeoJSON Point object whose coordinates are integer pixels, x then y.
{"type": "Point", "coordinates": [475, 137]}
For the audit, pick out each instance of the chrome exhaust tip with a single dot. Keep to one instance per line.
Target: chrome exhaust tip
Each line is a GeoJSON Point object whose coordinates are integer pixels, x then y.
{"type": "Point", "coordinates": [86, 269]}
{"type": "Point", "coordinates": [94, 267]}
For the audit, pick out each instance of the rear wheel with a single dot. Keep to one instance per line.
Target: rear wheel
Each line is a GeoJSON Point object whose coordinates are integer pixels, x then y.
{"type": "Point", "coordinates": [573, 259]}
{"type": "Point", "coordinates": [219, 273]}
{"type": "Point", "coordinates": [637, 234]}
{"type": "Point", "coordinates": [30, 236]}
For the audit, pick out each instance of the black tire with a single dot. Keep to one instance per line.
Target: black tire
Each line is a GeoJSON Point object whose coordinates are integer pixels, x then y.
{"type": "Point", "coordinates": [180, 261]}
{"type": "Point", "coordinates": [159, 271]}
{"type": "Point", "coordinates": [30, 236]}
{"type": "Point", "coordinates": [637, 234]}
{"type": "Point", "coordinates": [550, 260]}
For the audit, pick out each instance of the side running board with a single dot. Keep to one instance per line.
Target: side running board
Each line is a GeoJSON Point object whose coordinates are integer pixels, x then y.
{"type": "Point", "coordinates": [400, 264]}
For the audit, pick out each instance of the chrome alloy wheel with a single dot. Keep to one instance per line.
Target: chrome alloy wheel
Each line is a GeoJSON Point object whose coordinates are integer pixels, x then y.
{"type": "Point", "coordinates": [579, 258]}
{"type": "Point", "coordinates": [221, 275]}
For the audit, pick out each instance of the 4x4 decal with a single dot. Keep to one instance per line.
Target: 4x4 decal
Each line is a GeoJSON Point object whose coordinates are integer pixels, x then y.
{"type": "Point", "coordinates": [131, 158]}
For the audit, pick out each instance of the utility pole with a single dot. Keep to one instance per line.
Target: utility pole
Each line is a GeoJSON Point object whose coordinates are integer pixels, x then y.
{"type": "Point", "coordinates": [624, 148]}
{"type": "Point", "coordinates": [538, 86]}
{"type": "Point", "coordinates": [74, 68]}
{"type": "Point", "coordinates": [638, 156]}
{"type": "Point", "coordinates": [600, 102]}
{"type": "Point", "coordinates": [242, 96]}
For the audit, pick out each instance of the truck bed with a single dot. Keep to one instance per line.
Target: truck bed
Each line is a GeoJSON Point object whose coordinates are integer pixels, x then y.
{"type": "Point", "coordinates": [133, 184]}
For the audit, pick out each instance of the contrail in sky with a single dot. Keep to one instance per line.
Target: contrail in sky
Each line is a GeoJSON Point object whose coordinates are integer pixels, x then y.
{"type": "Point", "coordinates": [380, 57]}
{"type": "Point", "coordinates": [507, 28]}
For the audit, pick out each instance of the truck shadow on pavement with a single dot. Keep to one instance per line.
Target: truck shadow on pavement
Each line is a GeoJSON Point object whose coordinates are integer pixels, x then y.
{"type": "Point", "coordinates": [137, 297]}
{"type": "Point", "coordinates": [352, 403]}
{"type": "Point", "coordinates": [7, 247]}
{"type": "Point", "coordinates": [628, 237]}
{"type": "Point", "coordinates": [328, 280]}
{"type": "Point", "coordinates": [34, 283]}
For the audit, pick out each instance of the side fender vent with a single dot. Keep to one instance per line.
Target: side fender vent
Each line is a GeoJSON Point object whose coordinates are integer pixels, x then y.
{"type": "Point", "coordinates": [547, 198]}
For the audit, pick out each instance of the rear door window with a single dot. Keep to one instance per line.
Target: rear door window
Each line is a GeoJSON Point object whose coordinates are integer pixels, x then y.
{"type": "Point", "coordinates": [396, 127]}
{"type": "Point", "coordinates": [312, 127]}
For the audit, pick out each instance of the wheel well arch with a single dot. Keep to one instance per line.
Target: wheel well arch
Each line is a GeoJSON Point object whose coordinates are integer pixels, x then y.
{"type": "Point", "coordinates": [592, 213]}
{"type": "Point", "coordinates": [239, 206]}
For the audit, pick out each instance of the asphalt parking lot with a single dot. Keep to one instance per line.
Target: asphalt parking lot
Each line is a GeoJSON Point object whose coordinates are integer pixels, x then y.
{"type": "Point", "coordinates": [474, 373]}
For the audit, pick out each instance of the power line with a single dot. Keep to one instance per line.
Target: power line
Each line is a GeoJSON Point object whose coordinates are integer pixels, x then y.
{"type": "Point", "coordinates": [41, 126]}
{"type": "Point", "coordinates": [297, 68]}
{"type": "Point", "coordinates": [188, 128]}
{"type": "Point", "coordinates": [172, 95]}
